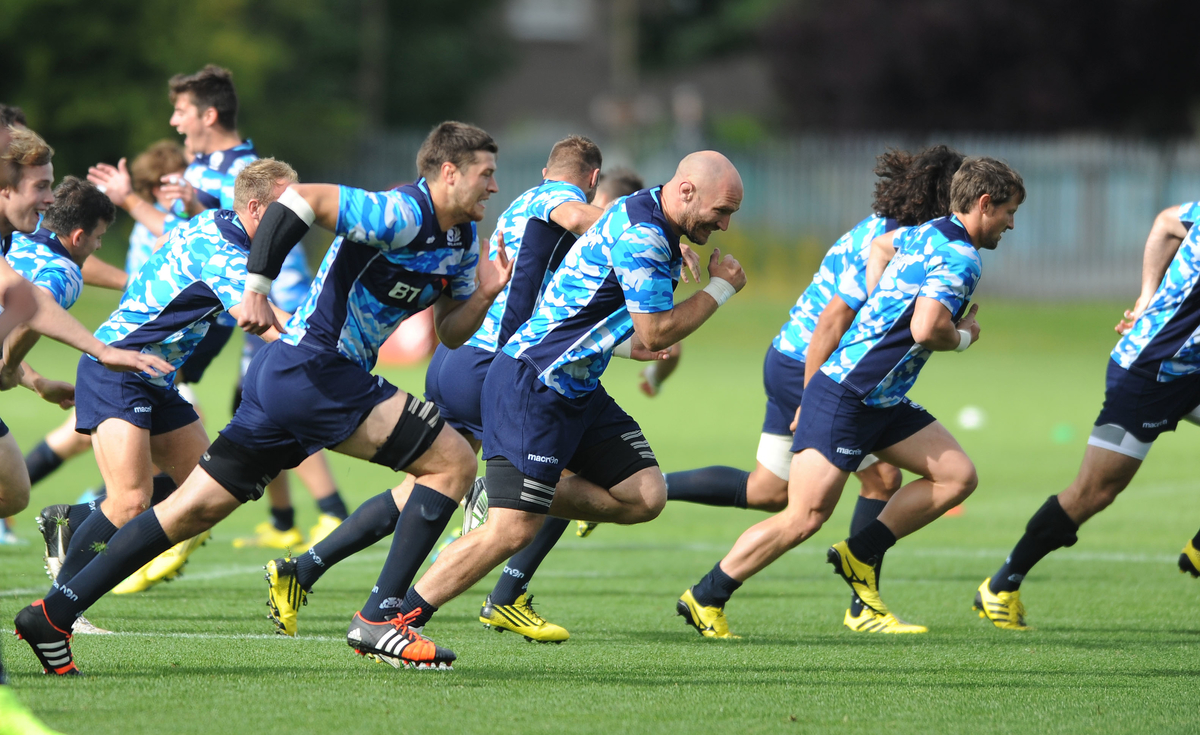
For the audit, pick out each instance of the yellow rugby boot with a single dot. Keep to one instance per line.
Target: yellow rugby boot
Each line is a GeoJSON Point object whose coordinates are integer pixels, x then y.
{"type": "Point", "coordinates": [583, 529]}
{"type": "Point", "coordinates": [266, 536]}
{"type": "Point", "coordinates": [16, 719]}
{"type": "Point", "coordinates": [285, 596]}
{"type": "Point", "coordinates": [325, 525]}
{"type": "Point", "coordinates": [869, 621]}
{"type": "Point", "coordinates": [136, 582]}
{"type": "Point", "coordinates": [167, 565]}
{"type": "Point", "coordinates": [1189, 560]}
{"type": "Point", "coordinates": [858, 574]}
{"type": "Point", "coordinates": [1004, 609]}
{"type": "Point", "coordinates": [520, 617]}
{"type": "Point", "coordinates": [709, 622]}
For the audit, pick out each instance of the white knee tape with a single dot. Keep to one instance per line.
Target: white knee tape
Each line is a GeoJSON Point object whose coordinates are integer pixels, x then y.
{"type": "Point", "coordinates": [866, 462]}
{"type": "Point", "coordinates": [1116, 439]}
{"type": "Point", "coordinates": [775, 453]}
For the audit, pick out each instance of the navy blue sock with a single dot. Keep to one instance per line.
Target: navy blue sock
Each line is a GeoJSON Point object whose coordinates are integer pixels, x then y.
{"type": "Point", "coordinates": [871, 543]}
{"type": "Point", "coordinates": [419, 527]}
{"type": "Point", "coordinates": [283, 518]}
{"type": "Point", "coordinates": [1050, 528]}
{"type": "Point", "coordinates": [716, 588]}
{"type": "Point", "coordinates": [865, 511]}
{"type": "Point", "coordinates": [411, 602]}
{"type": "Point", "coordinates": [333, 505]}
{"type": "Point", "coordinates": [521, 567]}
{"type": "Point", "coordinates": [87, 541]}
{"type": "Point", "coordinates": [374, 520]}
{"type": "Point", "coordinates": [1196, 540]}
{"type": "Point", "coordinates": [721, 486]}
{"type": "Point", "coordinates": [3, 676]}
{"type": "Point", "coordinates": [41, 461]}
{"type": "Point", "coordinates": [136, 543]}
{"type": "Point", "coordinates": [79, 513]}
{"type": "Point", "coordinates": [163, 487]}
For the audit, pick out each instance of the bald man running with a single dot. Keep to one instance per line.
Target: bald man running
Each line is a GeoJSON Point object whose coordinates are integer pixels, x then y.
{"type": "Point", "coordinates": [544, 409]}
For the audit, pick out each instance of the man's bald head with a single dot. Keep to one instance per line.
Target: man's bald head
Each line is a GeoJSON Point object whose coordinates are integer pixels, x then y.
{"type": "Point", "coordinates": [702, 195]}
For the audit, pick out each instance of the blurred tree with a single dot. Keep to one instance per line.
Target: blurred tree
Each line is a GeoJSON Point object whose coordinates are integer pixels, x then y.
{"type": "Point", "coordinates": [1118, 66]}
{"type": "Point", "coordinates": [682, 32]}
{"type": "Point", "coordinates": [92, 76]}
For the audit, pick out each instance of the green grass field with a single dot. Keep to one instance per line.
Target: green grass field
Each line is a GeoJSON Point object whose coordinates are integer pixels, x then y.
{"type": "Point", "coordinates": [1115, 649]}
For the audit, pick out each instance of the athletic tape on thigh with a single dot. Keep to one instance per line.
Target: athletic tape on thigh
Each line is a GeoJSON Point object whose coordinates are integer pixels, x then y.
{"type": "Point", "coordinates": [1116, 439]}
{"type": "Point", "coordinates": [866, 462]}
{"type": "Point", "coordinates": [775, 453]}
{"type": "Point", "coordinates": [418, 426]}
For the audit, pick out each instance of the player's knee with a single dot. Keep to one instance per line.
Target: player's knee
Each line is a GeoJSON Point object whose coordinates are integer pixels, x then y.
{"type": "Point", "coordinates": [14, 497]}
{"type": "Point", "coordinates": [125, 507]}
{"type": "Point", "coordinates": [766, 491]}
{"type": "Point", "coordinates": [510, 532]}
{"type": "Point", "coordinates": [963, 481]}
{"type": "Point", "coordinates": [650, 499]}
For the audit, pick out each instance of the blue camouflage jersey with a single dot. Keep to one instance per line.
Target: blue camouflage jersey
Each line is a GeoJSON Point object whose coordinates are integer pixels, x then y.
{"type": "Point", "coordinates": [390, 262]}
{"type": "Point", "coordinates": [167, 308]}
{"type": "Point", "coordinates": [629, 260]}
{"type": "Point", "coordinates": [290, 287]}
{"type": "Point", "coordinates": [877, 358]}
{"type": "Point", "coordinates": [43, 261]}
{"type": "Point", "coordinates": [538, 247]}
{"type": "Point", "coordinates": [141, 241]}
{"type": "Point", "coordinates": [1164, 343]}
{"type": "Point", "coordinates": [843, 272]}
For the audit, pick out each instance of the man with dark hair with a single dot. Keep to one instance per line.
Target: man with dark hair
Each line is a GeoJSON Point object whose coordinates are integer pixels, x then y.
{"type": "Point", "coordinates": [535, 231]}
{"type": "Point", "coordinates": [911, 189]}
{"type": "Point", "coordinates": [400, 252]}
{"type": "Point", "coordinates": [1152, 382]}
{"type": "Point", "coordinates": [617, 183]}
{"type": "Point", "coordinates": [11, 115]}
{"type": "Point", "coordinates": [50, 259]}
{"type": "Point", "coordinates": [854, 406]}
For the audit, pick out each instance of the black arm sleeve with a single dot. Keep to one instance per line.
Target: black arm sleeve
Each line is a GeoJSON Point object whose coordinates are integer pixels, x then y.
{"type": "Point", "coordinates": [278, 232]}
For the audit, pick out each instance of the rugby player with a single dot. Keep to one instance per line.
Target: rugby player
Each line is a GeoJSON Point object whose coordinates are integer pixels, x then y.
{"type": "Point", "coordinates": [401, 251]}
{"type": "Point", "coordinates": [855, 404]}
{"type": "Point", "coordinates": [1152, 381]}
{"type": "Point", "coordinates": [544, 408]}
{"type": "Point", "coordinates": [911, 189]}
{"type": "Point", "coordinates": [536, 231]}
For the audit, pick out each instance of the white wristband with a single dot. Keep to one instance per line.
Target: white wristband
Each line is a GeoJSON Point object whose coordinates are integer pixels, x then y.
{"type": "Point", "coordinates": [964, 340]}
{"type": "Point", "coordinates": [258, 283]}
{"type": "Point", "coordinates": [625, 349]}
{"type": "Point", "coordinates": [720, 289]}
{"type": "Point", "coordinates": [293, 201]}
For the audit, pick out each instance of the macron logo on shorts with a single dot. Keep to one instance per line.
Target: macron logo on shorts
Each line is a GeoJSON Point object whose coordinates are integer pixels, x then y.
{"type": "Point", "coordinates": [142, 409]}
{"type": "Point", "coordinates": [542, 459]}
{"type": "Point", "coordinates": [1155, 424]}
{"type": "Point", "coordinates": [851, 452]}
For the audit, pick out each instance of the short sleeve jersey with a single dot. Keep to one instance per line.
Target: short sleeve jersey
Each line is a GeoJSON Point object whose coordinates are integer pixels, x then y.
{"type": "Point", "coordinates": [537, 246]}
{"type": "Point", "coordinates": [390, 262]}
{"type": "Point", "coordinates": [45, 262]}
{"type": "Point", "coordinates": [628, 261]}
{"type": "Point", "coordinates": [168, 306]}
{"type": "Point", "coordinates": [1164, 343]}
{"type": "Point", "coordinates": [877, 359]}
{"type": "Point", "coordinates": [843, 272]}
{"type": "Point", "coordinates": [141, 241]}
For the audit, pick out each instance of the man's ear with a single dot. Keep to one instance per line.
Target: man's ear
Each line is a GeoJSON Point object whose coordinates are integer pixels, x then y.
{"type": "Point", "coordinates": [985, 204]}
{"type": "Point", "coordinates": [77, 236]}
{"type": "Point", "coordinates": [449, 173]}
{"type": "Point", "coordinates": [594, 179]}
{"type": "Point", "coordinates": [686, 191]}
{"type": "Point", "coordinates": [209, 116]}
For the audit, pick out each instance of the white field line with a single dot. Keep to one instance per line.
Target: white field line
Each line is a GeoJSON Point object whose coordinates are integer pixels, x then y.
{"type": "Point", "coordinates": [1089, 557]}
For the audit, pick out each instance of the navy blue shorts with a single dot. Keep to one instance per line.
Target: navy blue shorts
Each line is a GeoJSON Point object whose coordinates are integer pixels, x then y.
{"type": "Point", "coordinates": [454, 383]}
{"type": "Point", "coordinates": [212, 344]}
{"type": "Point", "coordinates": [101, 394]}
{"type": "Point", "coordinates": [1146, 407]}
{"type": "Point", "coordinates": [542, 432]}
{"type": "Point", "coordinates": [3, 429]}
{"type": "Point", "coordinates": [296, 401]}
{"type": "Point", "coordinates": [783, 380]}
{"type": "Point", "coordinates": [836, 423]}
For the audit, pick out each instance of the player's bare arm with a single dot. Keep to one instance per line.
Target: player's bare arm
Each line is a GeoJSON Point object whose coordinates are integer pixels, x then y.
{"type": "Point", "coordinates": [98, 273]}
{"type": "Point", "coordinates": [883, 249]}
{"type": "Point", "coordinates": [455, 321]}
{"type": "Point", "coordinates": [661, 330]}
{"type": "Point", "coordinates": [116, 183]}
{"type": "Point", "coordinates": [833, 323]}
{"type": "Point", "coordinates": [1166, 235]}
{"type": "Point", "coordinates": [934, 328]}
{"type": "Point", "coordinates": [575, 217]}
